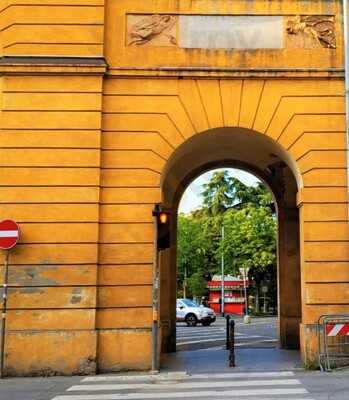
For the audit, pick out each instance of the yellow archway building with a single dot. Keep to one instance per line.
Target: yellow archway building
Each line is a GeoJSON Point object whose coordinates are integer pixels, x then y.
{"type": "Point", "coordinates": [108, 107]}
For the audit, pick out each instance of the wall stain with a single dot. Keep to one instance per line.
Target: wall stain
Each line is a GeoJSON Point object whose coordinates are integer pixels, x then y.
{"type": "Point", "coordinates": [30, 276]}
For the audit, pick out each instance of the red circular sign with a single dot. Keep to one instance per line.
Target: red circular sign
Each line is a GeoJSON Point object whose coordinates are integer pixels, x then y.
{"type": "Point", "coordinates": [9, 234]}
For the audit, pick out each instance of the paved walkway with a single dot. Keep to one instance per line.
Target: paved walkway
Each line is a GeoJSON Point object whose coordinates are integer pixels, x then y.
{"type": "Point", "coordinates": [216, 359]}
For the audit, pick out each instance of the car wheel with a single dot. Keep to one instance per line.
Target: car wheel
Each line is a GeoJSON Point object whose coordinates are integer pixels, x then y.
{"type": "Point", "coordinates": [191, 320]}
{"type": "Point", "coordinates": [206, 323]}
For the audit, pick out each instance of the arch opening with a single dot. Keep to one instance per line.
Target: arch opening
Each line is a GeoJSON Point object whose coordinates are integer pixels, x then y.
{"type": "Point", "coordinates": [255, 153]}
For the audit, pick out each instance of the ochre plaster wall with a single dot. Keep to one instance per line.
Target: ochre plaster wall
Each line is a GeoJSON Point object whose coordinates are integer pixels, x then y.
{"type": "Point", "coordinates": [83, 150]}
{"type": "Point", "coordinates": [52, 28]}
{"type": "Point", "coordinates": [50, 176]}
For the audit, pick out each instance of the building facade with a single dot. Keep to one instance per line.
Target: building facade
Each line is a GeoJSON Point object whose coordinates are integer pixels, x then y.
{"type": "Point", "coordinates": [110, 106]}
{"type": "Point", "coordinates": [234, 294]}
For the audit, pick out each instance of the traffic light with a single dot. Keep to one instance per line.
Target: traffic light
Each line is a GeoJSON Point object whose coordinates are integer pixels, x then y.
{"type": "Point", "coordinates": [163, 221]}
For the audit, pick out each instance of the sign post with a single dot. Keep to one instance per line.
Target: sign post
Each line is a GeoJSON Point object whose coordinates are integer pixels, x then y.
{"type": "Point", "coordinates": [222, 273]}
{"type": "Point", "coordinates": [9, 235]}
{"type": "Point", "coordinates": [244, 273]}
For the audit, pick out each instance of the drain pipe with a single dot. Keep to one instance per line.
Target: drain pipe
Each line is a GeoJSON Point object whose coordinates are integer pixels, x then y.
{"type": "Point", "coordinates": [346, 72]}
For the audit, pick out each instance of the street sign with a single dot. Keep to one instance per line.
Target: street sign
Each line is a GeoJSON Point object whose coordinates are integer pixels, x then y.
{"type": "Point", "coordinates": [9, 234]}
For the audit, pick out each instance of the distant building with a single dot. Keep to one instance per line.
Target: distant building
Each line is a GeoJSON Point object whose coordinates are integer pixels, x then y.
{"type": "Point", "coordinates": [234, 302]}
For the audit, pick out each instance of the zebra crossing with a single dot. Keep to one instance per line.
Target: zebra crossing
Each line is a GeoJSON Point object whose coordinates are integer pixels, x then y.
{"type": "Point", "coordinates": [199, 337]}
{"type": "Point", "coordinates": [179, 385]}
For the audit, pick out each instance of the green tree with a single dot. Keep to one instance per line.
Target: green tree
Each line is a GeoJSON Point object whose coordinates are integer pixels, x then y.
{"type": "Point", "coordinates": [197, 243]}
{"type": "Point", "coordinates": [250, 242]}
{"type": "Point", "coordinates": [250, 238]}
{"type": "Point", "coordinates": [191, 246]}
{"type": "Point", "coordinates": [250, 232]}
{"type": "Point", "coordinates": [224, 192]}
{"type": "Point", "coordinates": [197, 284]}
{"type": "Point", "coordinates": [218, 193]}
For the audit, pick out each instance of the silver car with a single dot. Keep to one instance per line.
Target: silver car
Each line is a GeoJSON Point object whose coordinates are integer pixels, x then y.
{"type": "Point", "coordinates": [191, 313]}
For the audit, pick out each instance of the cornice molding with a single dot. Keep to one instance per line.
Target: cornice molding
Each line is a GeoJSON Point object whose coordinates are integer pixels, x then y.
{"type": "Point", "coordinates": [53, 65]}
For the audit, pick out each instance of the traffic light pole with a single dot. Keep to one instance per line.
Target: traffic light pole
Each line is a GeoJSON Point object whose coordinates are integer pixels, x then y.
{"type": "Point", "coordinates": [161, 219]}
{"type": "Point", "coordinates": [222, 272]}
{"type": "Point", "coordinates": [155, 326]}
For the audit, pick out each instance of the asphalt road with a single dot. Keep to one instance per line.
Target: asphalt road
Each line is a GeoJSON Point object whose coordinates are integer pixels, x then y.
{"type": "Point", "coordinates": [261, 332]}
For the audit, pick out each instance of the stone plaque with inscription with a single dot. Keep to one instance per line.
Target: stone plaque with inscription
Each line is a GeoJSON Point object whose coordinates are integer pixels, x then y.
{"type": "Point", "coordinates": [231, 32]}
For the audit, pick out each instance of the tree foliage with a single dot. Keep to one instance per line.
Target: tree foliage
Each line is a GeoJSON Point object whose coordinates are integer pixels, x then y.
{"type": "Point", "coordinates": [197, 284]}
{"type": "Point", "coordinates": [249, 240]}
{"type": "Point", "coordinates": [247, 214]}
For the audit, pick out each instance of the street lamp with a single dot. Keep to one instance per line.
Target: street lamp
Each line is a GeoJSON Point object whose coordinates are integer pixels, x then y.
{"type": "Point", "coordinates": [244, 273]}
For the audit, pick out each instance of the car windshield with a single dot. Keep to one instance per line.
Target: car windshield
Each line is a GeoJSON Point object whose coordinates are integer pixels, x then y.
{"type": "Point", "coordinates": [189, 303]}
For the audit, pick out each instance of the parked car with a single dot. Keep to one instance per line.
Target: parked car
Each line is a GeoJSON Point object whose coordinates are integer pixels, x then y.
{"type": "Point", "coordinates": [191, 313]}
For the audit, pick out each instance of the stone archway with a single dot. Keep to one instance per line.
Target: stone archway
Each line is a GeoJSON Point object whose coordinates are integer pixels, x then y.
{"type": "Point", "coordinates": [254, 152]}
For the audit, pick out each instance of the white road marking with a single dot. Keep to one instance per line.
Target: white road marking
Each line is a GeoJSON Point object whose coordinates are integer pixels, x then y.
{"type": "Point", "coordinates": [201, 336]}
{"type": "Point", "coordinates": [197, 341]}
{"type": "Point", "coordinates": [245, 343]}
{"type": "Point", "coordinates": [198, 331]}
{"type": "Point", "coordinates": [181, 375]}
{"type": "Point", "coordinates": [210, 393]}
{"type": "Point", "coordinates": [184, 385]}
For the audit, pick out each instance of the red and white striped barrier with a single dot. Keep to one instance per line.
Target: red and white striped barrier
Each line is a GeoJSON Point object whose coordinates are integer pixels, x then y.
{"type": "Point", "coordinates": [337, 329]}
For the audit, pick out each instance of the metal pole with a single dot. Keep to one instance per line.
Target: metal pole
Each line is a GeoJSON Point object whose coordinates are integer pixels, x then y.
{"type": "Point", "coordinates": [228, 330]}
{"type": "Point", "coordinates": [3, 315]}
{"type": "Point", "coordinates": [222, 265]}
{"type": "Point", "coordinates": [232, 344]}
{"type": "Point", "coordinates": [185, 280]}
{"type": "Point", "coordinates": [155, 327]}
{"type": "Point", "coordinates": [245, 292]}
{"type": "Point", "coordinates": [346, 71]}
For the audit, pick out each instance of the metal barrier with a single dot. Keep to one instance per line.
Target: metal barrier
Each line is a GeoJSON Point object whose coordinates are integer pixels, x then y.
{"type": "Point", "coordinates": [333, 341]}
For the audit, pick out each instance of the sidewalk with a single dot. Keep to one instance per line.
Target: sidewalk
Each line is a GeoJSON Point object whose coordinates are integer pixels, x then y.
{"type": "Point", "coordinates": [209, 360]}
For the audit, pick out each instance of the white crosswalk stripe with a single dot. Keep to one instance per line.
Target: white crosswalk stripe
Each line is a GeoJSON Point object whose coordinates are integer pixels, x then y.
{"type": "Point", "coordinates": [217, 336]}
{"type": "Point", "coordinates": [214, 334]}
{"type": "Point", "coordinates": [250, 386]}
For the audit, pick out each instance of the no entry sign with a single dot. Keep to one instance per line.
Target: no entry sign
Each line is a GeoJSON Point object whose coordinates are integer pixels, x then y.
{"type": "Point", "coordinates": [9, 234]}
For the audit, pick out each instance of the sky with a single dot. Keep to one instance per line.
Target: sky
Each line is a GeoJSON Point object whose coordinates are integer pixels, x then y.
{"type": "Point", "coordinates": [191, 198]}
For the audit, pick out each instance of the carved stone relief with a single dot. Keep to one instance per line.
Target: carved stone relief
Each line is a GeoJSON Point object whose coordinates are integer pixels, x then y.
{"type": "Point", "coordinates": [154, 30]}
{"type": "Point", "coordinates": [231, 32]}
{"type": "Point", "coordinates": [311, 31]}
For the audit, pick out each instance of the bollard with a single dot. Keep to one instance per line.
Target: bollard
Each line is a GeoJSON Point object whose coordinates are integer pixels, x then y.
{"type": "Point", "coordinates": [227, 332]}
{"type": "Point", "coordinates": [232, 344]}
